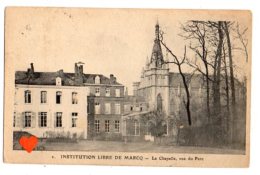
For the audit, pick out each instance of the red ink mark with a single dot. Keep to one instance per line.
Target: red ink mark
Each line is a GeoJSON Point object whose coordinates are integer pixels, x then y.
{"type": "Point", "coordinates": [28, 143]}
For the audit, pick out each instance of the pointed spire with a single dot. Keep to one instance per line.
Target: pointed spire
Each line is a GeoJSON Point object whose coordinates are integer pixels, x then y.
{"type": "Point", "coordinates": [157, 30]}
{"type": "Point", "coordinates": [157, 55]}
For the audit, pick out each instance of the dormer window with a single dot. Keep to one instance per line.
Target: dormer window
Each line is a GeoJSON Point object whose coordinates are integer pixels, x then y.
{"type": "Point", "coordinates": [97, 80]}
{"type": "Point", "coordinates": [58, 81]}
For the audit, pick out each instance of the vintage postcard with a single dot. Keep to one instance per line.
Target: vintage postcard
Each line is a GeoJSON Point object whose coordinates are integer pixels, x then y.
{"type": "Point", "coordinates": [143, 87]}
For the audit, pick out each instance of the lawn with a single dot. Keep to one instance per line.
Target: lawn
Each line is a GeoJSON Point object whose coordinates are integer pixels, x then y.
{"type": "Point", "coordinates": [144, 147]}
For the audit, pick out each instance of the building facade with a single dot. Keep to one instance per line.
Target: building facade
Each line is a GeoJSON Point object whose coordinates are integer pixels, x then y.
{"type": "Point", "coordinates": [66, 105]}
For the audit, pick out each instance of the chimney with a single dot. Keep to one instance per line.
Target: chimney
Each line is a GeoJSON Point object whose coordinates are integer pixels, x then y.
{"type": "Point", "coordinates": [126, 91]}
{"type": "Point", "coordinates": [30, 71]}
{"type": "Point", "coordinates": [111, 76]}
{"type": "Point", "coordinates": [78, 73]}
{"type": "Point", "coordinates": [81, 69]}
{"type": "Point", "coordinates": [112, 79]}
{"type": "Point", "coordinates": [60, 73]}
{"type": "Point", "coordinates": [76, 69]}
{"type": "Point", "coordinates": [32, 68]}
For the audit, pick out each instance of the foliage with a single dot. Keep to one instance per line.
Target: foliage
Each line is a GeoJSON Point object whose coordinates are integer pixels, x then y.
{"type": "Point", "coordinates": [156, 122]}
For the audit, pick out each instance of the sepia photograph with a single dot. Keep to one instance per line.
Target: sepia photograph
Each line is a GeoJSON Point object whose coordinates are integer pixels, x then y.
{"type": "Point", "coordinates": [127, 86]}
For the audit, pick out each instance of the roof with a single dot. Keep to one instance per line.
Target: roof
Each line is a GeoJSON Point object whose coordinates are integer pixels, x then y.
{"type": "Point", "coordinates": [68, 79]}
{"type": "Point", "coordinates": [175, 80]}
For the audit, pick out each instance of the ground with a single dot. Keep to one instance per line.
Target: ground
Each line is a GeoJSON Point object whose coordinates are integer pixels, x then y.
{"type": "Point", "coordinates": [143, 147]}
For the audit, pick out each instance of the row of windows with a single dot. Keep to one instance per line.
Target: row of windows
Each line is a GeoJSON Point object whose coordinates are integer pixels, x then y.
{"type": "Point", "coordinates": [43, 98]}
{"type": "Point", "coordinates": [43, 118]}
{"type": "Point", "coordinates": [107, 126]}
{"type": "Point", "coordinates": [107, 108]}
{"type": "Point", "coordinates": [107, 92]}
{"type": "Point", "coordinates": [74, 99]}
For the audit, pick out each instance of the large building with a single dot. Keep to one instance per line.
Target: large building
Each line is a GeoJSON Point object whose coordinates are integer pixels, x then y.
{"type": "Point", "coordinates": [59, 104]}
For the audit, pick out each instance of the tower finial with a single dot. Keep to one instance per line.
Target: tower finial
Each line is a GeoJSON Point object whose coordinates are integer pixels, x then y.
{"type": "Point", "coordinates": [157, 30]}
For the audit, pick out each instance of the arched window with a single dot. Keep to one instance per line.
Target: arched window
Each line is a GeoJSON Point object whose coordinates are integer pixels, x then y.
{"type": "Point", "coordinates": [27, 96]}
{"type": "Point", "coordinates": [159, 102]}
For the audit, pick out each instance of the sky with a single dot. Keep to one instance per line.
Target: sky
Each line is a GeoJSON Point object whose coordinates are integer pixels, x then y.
{"type": "Point", "coordinates": [108, 41]}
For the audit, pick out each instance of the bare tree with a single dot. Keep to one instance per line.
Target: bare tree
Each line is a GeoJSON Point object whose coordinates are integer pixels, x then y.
{"type": "Point", "coordinates": [179, 62]}
{"type": "Point", "coordinates": [241, 35]}
{"type": "Point", "coordinates": [197, 32]}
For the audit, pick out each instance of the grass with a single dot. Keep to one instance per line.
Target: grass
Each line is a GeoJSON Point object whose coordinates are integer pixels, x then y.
{"type": "Point", "coordinates": [143, 147]}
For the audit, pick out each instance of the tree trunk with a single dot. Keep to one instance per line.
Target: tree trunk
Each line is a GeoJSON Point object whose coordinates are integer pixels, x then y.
{"type": "Point", "coordinates": [207, 89]}
{"type": "Point", "coordinates": [226, 78]}
{"type": "Point", "coordinates": [187, 103]}
{"type": "Point", "coordinates": [232, 82]}
{"type": "Point", "coordinates": [204, 58]}
{"type": "Point", "coordinates": [218, 70]}
{"type": "Point", "coordinates": [227, 117]}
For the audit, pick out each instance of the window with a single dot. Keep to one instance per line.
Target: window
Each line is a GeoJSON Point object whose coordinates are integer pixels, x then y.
{"type": "Point", "coordinates": [137, 128]}
{"type": "Point", "coordinates": [97, 108]}
{"type": "Point", "coordinates": [117, 108]}
{"type": "Point", "coordinates": [117, 126]}
{"type": "Point", "coordinates": [58, 97]}
{"type": "Point", "coordinates": [97, 91]}
{"type": "Point", "coordinates": [89, 125]}
{"type": "Point", "coordinates": [27, 119]}
{"type": "Point", "coordinates": [97, 80]}
{"type": "Point", "coordinates": [74, 98]}
{"type": "Point", "coordinates": [27, 96]}
{"type": "Point", "coordinates": [97, 126]}
{"type": "Point", "coordinates": [131, 108]}
{"type": "Point", "coordinates": [106, 125]}
{"type": "Point", "coordinates": [107, 92]}
{"type": "Point", "coordinates": [58, 119]}
{"type": "Point", "coordinates": [107, 108]}
{"type": "Point", "coordinates": [58, 81]}
{"type": "Point", "coordinates": [43, 119]}
{"type": "Point", "coordinates": [74, 119]}
{"type": "Point", "coordinates": [117, 92]}
{"type": "Point", "coordinates": [88, 108]}
{"type": "Point", "coordinates": [43, 97]}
